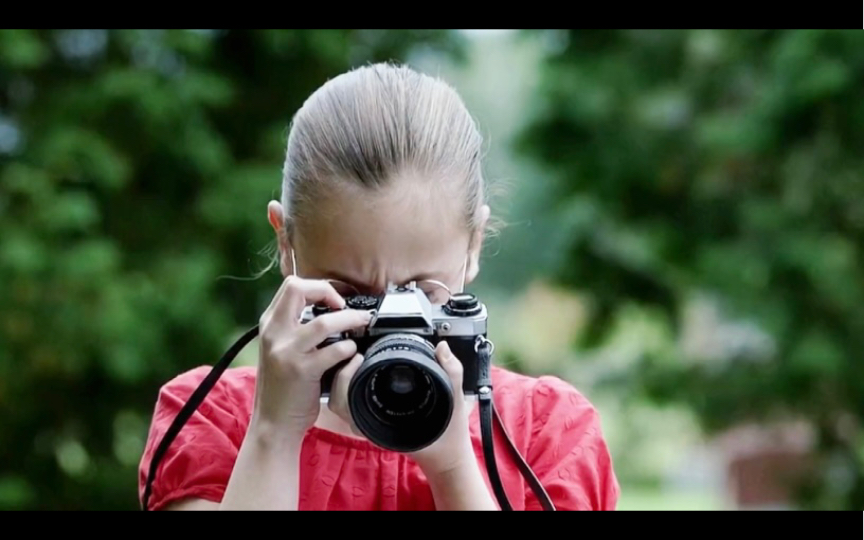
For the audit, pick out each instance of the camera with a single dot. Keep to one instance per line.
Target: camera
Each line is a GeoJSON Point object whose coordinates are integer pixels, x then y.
{"type": "Point", "coordinates": [401, 398]}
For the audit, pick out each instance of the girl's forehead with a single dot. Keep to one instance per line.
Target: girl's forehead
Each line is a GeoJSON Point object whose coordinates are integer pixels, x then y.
{"type": "Point", "coordinates": [368, 249]}
{"type": "Point", "coordinates": [398, 234]}
{"type": "Point", "coordinates": [372, 248]}
{"type": "Point", "coordinates": [400, 223]}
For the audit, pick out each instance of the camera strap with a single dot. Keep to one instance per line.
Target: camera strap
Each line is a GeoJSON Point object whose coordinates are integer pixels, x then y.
{"type": "Point", "coordinates": [487, 415]}
{"type": "Point", "coordinates": [195, 400]}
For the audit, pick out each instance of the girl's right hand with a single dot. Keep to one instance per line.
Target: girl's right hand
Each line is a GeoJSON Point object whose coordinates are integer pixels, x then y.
{"type": "Point", "coordinates": [290, 365]}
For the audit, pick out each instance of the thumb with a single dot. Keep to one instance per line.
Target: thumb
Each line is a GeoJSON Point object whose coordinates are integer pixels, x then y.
{"type": "Point", "coordinates": [452, 366]}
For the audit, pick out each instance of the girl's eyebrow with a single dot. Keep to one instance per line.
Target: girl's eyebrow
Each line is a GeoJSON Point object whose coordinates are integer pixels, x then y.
{"type": "Point", "coordinates": [340, 277]}
{"type": "Point", "coordinates": [349, 281]}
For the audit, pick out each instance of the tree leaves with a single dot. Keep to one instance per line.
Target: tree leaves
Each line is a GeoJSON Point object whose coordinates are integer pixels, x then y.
{"type": "Point", "coordinates": [720, 161]}
{"type": "Point", "coordinates": [141, 170]}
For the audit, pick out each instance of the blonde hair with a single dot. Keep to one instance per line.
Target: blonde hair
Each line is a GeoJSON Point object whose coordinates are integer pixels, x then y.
{"type": "Point", "coordinates": [377, 123]}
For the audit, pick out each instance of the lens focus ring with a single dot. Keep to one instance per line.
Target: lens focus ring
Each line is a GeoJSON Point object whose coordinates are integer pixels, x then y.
{"type": "Point", "coordinates": [408, 341]}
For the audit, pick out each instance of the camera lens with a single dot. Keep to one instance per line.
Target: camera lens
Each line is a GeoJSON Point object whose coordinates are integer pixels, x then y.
{"type": "Point", "coordinates": [401, 379]}
{"type": "Point", "coordinates": [401, 398]}
{"type": "Point", "coordinates": [399, 392]}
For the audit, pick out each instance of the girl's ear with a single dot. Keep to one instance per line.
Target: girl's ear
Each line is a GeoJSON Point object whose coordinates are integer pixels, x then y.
{"type": "Point", "coordinates": [476, 246]}
{"type": "Point", "coordinates": [276, 217]}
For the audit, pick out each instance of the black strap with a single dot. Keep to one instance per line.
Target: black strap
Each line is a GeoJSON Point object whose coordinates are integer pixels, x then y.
{"type": "Point", "coordinates": [189, 408]}
{"type": "Point", "coordinates": [524, 468]}
{"type": "Point", "coordinates": [487, 413]}
{"type": "Point", "coordinates": [486, 436]}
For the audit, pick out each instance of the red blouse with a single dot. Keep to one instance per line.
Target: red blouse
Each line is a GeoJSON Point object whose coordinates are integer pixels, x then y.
{"type": "Point", "coordinates": [554, 427]}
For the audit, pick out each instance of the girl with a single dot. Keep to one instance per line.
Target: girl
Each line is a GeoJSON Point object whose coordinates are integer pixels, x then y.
{"type": "Point", "coordinates": [382, 184]}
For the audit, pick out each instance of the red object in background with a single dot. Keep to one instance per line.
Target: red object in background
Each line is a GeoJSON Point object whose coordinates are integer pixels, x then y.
{"type": "Point", "coordinates": [767, 464]}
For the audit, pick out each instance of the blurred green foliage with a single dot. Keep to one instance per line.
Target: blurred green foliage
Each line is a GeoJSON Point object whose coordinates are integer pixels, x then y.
{"type": "Point", "coordinates": [725, 164]}
{"type": "Point", "coordinates": [135, 168]}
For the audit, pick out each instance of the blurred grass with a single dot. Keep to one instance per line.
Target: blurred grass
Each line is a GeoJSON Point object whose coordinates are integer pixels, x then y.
{"type": "Point", "coordinates": [645, 498]}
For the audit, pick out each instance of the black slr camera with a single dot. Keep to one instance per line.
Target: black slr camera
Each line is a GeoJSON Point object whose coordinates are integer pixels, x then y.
{"type": "Point", "coordinates": [401, 398]}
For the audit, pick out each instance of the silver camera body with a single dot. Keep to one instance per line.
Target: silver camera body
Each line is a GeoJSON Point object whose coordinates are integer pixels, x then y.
{"type": "Point", "coordinates": [404, 311]}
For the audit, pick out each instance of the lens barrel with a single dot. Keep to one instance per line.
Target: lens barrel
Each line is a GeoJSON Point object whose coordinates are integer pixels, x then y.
{"type": "Point", "coordinates": [401, 398]}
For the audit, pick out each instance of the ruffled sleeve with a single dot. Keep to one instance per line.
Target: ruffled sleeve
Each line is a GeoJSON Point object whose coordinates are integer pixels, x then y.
{"type": "Point", "coordinates": [199, 461]}
{"type": "Point", "coordinates": [567, 450]}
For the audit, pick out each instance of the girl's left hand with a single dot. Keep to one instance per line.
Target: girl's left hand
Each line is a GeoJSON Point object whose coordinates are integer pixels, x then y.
{"type": "Point", "coordinates": [454, 448]}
